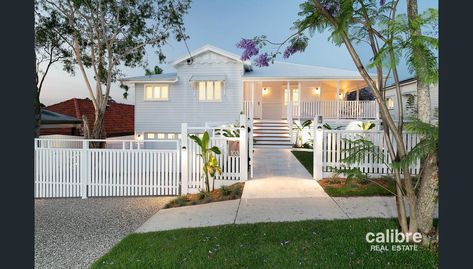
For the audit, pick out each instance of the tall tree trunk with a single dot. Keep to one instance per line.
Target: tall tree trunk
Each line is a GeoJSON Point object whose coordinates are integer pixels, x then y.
{"type": "Point", "coordinates": [36, 103]}
{"type": "Point", "coordinates": [98, 131]}
{"type": "Point", "coordinates": [428, 188]}
{"type": "Point", "coordinates": [427, 197]}
{"type": "Point", "coordinates": [37, 113]}
{"type": "Point", "coordinates": [423, 93]}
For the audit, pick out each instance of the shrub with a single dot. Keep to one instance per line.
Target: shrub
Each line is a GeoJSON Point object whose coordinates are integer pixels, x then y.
{"type": "Point", "coordinates": [236, 192]}
{"type": "Point", "coordinates": [225, 190]}
{"type": "Point", "coordinates": [202, 195]}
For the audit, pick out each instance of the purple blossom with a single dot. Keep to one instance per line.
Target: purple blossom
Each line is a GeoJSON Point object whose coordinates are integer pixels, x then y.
{"type": "Point", "coordinates": [249, 48]}
{"type": "Point", "coordinates": [263, 60]}
{"type": "Point", "coordinates": [332, 6]}
{"type": "Point", "coordinates": [382, 2]}
{"type": "Point", "coordinates": [289, 51]}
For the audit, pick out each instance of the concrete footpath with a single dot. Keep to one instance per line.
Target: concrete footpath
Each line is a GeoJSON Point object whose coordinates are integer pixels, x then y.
{"type": "Point", "coordinates": [282, 190]}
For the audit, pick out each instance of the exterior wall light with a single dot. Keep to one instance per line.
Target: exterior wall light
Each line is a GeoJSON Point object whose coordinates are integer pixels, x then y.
{"type": "Point", "coordinates": [316, 90]}
{"type": "Point", "coordinates": [265, 91]}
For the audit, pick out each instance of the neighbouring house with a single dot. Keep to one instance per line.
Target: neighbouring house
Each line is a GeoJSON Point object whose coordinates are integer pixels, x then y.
{"type": "Point", "coordinates": [212, 86]}
{"type": "Point", "coordinates": [409, 99]}
{"type": "Point", "coordinates": [52, 123]}
{"type": "Point", "coordinates": [119, 118]}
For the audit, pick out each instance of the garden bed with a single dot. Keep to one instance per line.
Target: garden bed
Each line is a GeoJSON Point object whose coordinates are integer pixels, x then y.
{"type": "Point", "coordinates": [225, 193]}
{"type": "Point", "coordinates": [339, 187]}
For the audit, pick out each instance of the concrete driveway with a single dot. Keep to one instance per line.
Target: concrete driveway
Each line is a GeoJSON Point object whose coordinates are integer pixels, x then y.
{"type": "Point", "coordinates": [73, 233]}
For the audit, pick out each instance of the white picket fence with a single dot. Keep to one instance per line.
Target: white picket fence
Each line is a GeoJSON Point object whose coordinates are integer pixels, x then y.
{"type": "Point", "coordinates": [87, 172]}
{"type": "Point", "coordinates": [331, 149]}
{"type": "Point", "coordinates": [74, 168]}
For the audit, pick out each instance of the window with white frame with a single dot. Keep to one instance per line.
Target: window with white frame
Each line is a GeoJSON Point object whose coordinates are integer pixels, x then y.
{"type": "Point", "coordinates": [295, 96]}
{"type": "Point", "coordinates": [390, 103]}
{"type": "Point", "coordinates": [210, 91]}
{"type": "Point", "coordinates": [156, 92]}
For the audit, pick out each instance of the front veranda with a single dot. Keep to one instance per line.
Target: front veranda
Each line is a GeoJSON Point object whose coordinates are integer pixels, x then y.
{"type": "Point", "coordinates": [276, 99]}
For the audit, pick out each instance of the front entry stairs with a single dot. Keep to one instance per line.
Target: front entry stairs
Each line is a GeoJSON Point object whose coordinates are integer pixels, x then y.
{"type": "Point", "coordinates": [271, 134]}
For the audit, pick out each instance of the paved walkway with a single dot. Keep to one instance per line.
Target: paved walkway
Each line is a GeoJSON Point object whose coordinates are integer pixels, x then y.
{"type": "Point", "coordinates": [281, 190]}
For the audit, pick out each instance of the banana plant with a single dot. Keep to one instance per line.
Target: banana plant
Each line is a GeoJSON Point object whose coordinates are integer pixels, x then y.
{"type": "Point", "coordinates": [300, 128]}
{"type": "Point", "coordinates": [366, 126]}
{"type": "Point", "coordinates": [210, 166]}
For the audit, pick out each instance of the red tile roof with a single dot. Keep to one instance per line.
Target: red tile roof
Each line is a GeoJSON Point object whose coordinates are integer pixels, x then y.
{"type": "Point", "coordinates": [119, 118]}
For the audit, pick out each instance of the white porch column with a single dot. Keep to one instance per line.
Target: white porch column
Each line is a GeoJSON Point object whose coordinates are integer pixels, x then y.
{"type": "Point", "coordinates": [358, 95]}
{"type": "Point", "coordinates": [289, 109]}
{"type": "Point", "coordinates": [338, 99]}
{"type": "Point", "coordinates": [252, 109]}
{"type": "Point", "coordinates": [299, 89]}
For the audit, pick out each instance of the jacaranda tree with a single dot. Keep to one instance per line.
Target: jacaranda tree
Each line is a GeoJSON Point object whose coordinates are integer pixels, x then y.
{"type": "Point", "coordinates": [377, 24]}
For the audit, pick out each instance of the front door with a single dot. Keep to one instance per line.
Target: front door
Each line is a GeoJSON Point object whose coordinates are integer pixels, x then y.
{"type": "Point", "coordinates": [272, 102]}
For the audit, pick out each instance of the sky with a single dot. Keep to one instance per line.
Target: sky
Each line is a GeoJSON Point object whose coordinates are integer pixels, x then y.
{"type": "Point", "coordinates": [223, 24]}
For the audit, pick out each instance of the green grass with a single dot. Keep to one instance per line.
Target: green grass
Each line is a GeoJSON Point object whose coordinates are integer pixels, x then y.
{"type": "Point", "coordinates": [306, 158]}
{"type": "Point", "coordinates": [357, 189]}
{"type": "Point", "coordinates": [305, 244]}
{"type": "Point", "coordinates": [337, 188]}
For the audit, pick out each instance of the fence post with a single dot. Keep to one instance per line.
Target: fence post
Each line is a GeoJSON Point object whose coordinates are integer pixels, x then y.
{"type": "Point", "coordinates": [84, 168]}
{"type": "Point", "coordinates": [243, 148]}
{"type": "Point", "coordinates": [184, 160]}
{"type": "Point", "coordinates": [250, 146]}
{"type": "Point", "coordinates": [318, 141]}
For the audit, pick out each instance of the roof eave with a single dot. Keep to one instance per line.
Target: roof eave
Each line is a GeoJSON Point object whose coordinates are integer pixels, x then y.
{"type": "Point", "coordinates": [251, 78]}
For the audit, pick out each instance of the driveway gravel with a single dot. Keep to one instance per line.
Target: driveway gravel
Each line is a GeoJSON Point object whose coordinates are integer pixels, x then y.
{"type": "Point", "coordinates": [73, 233]}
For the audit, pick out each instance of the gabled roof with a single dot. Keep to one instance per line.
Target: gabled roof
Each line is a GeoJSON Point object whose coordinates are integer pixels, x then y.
{"type": "Point", "coordinates": [119, 118]}
{"type": "Point", "coordinates": [206, 48]}
{"type": "Point", "coordinates": [165, 78]}
{"type": "Point", "coordinates": [402, 82]}
{"type": "Point", "coordinates": [285, 70]}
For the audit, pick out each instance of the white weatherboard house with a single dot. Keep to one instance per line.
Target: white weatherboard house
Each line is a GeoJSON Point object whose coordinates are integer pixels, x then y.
{"type": "Point", "coordinates": [212, 86]}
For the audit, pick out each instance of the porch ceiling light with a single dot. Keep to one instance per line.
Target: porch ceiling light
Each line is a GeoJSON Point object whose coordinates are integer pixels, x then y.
{"type": "Point", "coordinates": [317, 90]}
{"type": "Point", "coordinates": [265, 91]}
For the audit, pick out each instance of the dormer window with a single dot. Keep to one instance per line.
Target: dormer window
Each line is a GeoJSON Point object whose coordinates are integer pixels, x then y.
{"type": "Point", "coordinates": [156, 92]}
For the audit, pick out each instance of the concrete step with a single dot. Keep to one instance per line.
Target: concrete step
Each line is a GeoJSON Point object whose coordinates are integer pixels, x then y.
{"type": "Point", "coordinates": [270, 121]}
{"type": "Point", "coordinates": [282, 135]}
{"type": "Point", "coordinates": [269, 125]}
{"type": "Point", "coordinates": [271, 128]}
{"type": "Point", "coordinates": [272, 146]}
{"type": "Point", "coordinates": [273, 142]}
{"type": "Point", "coordinates": [273, 138]}
{"type": "Point", "coordinates": [271, 131]}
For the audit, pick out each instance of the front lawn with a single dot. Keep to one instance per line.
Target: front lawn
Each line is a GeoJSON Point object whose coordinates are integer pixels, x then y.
{"type": "Point", "coordinates": [340, 187]}
{"type": "Point", "coordinates": [305, 244]}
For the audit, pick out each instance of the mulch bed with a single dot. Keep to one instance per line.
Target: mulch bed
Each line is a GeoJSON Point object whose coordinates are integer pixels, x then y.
{"type": "Point", "coordinates": [225, 193]}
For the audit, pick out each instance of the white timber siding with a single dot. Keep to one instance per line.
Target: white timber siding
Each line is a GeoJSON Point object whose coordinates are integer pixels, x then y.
{"type": "Point", "coordinates": [183, 104]}
{"type": "Point", "coordinates": [411, 88]}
